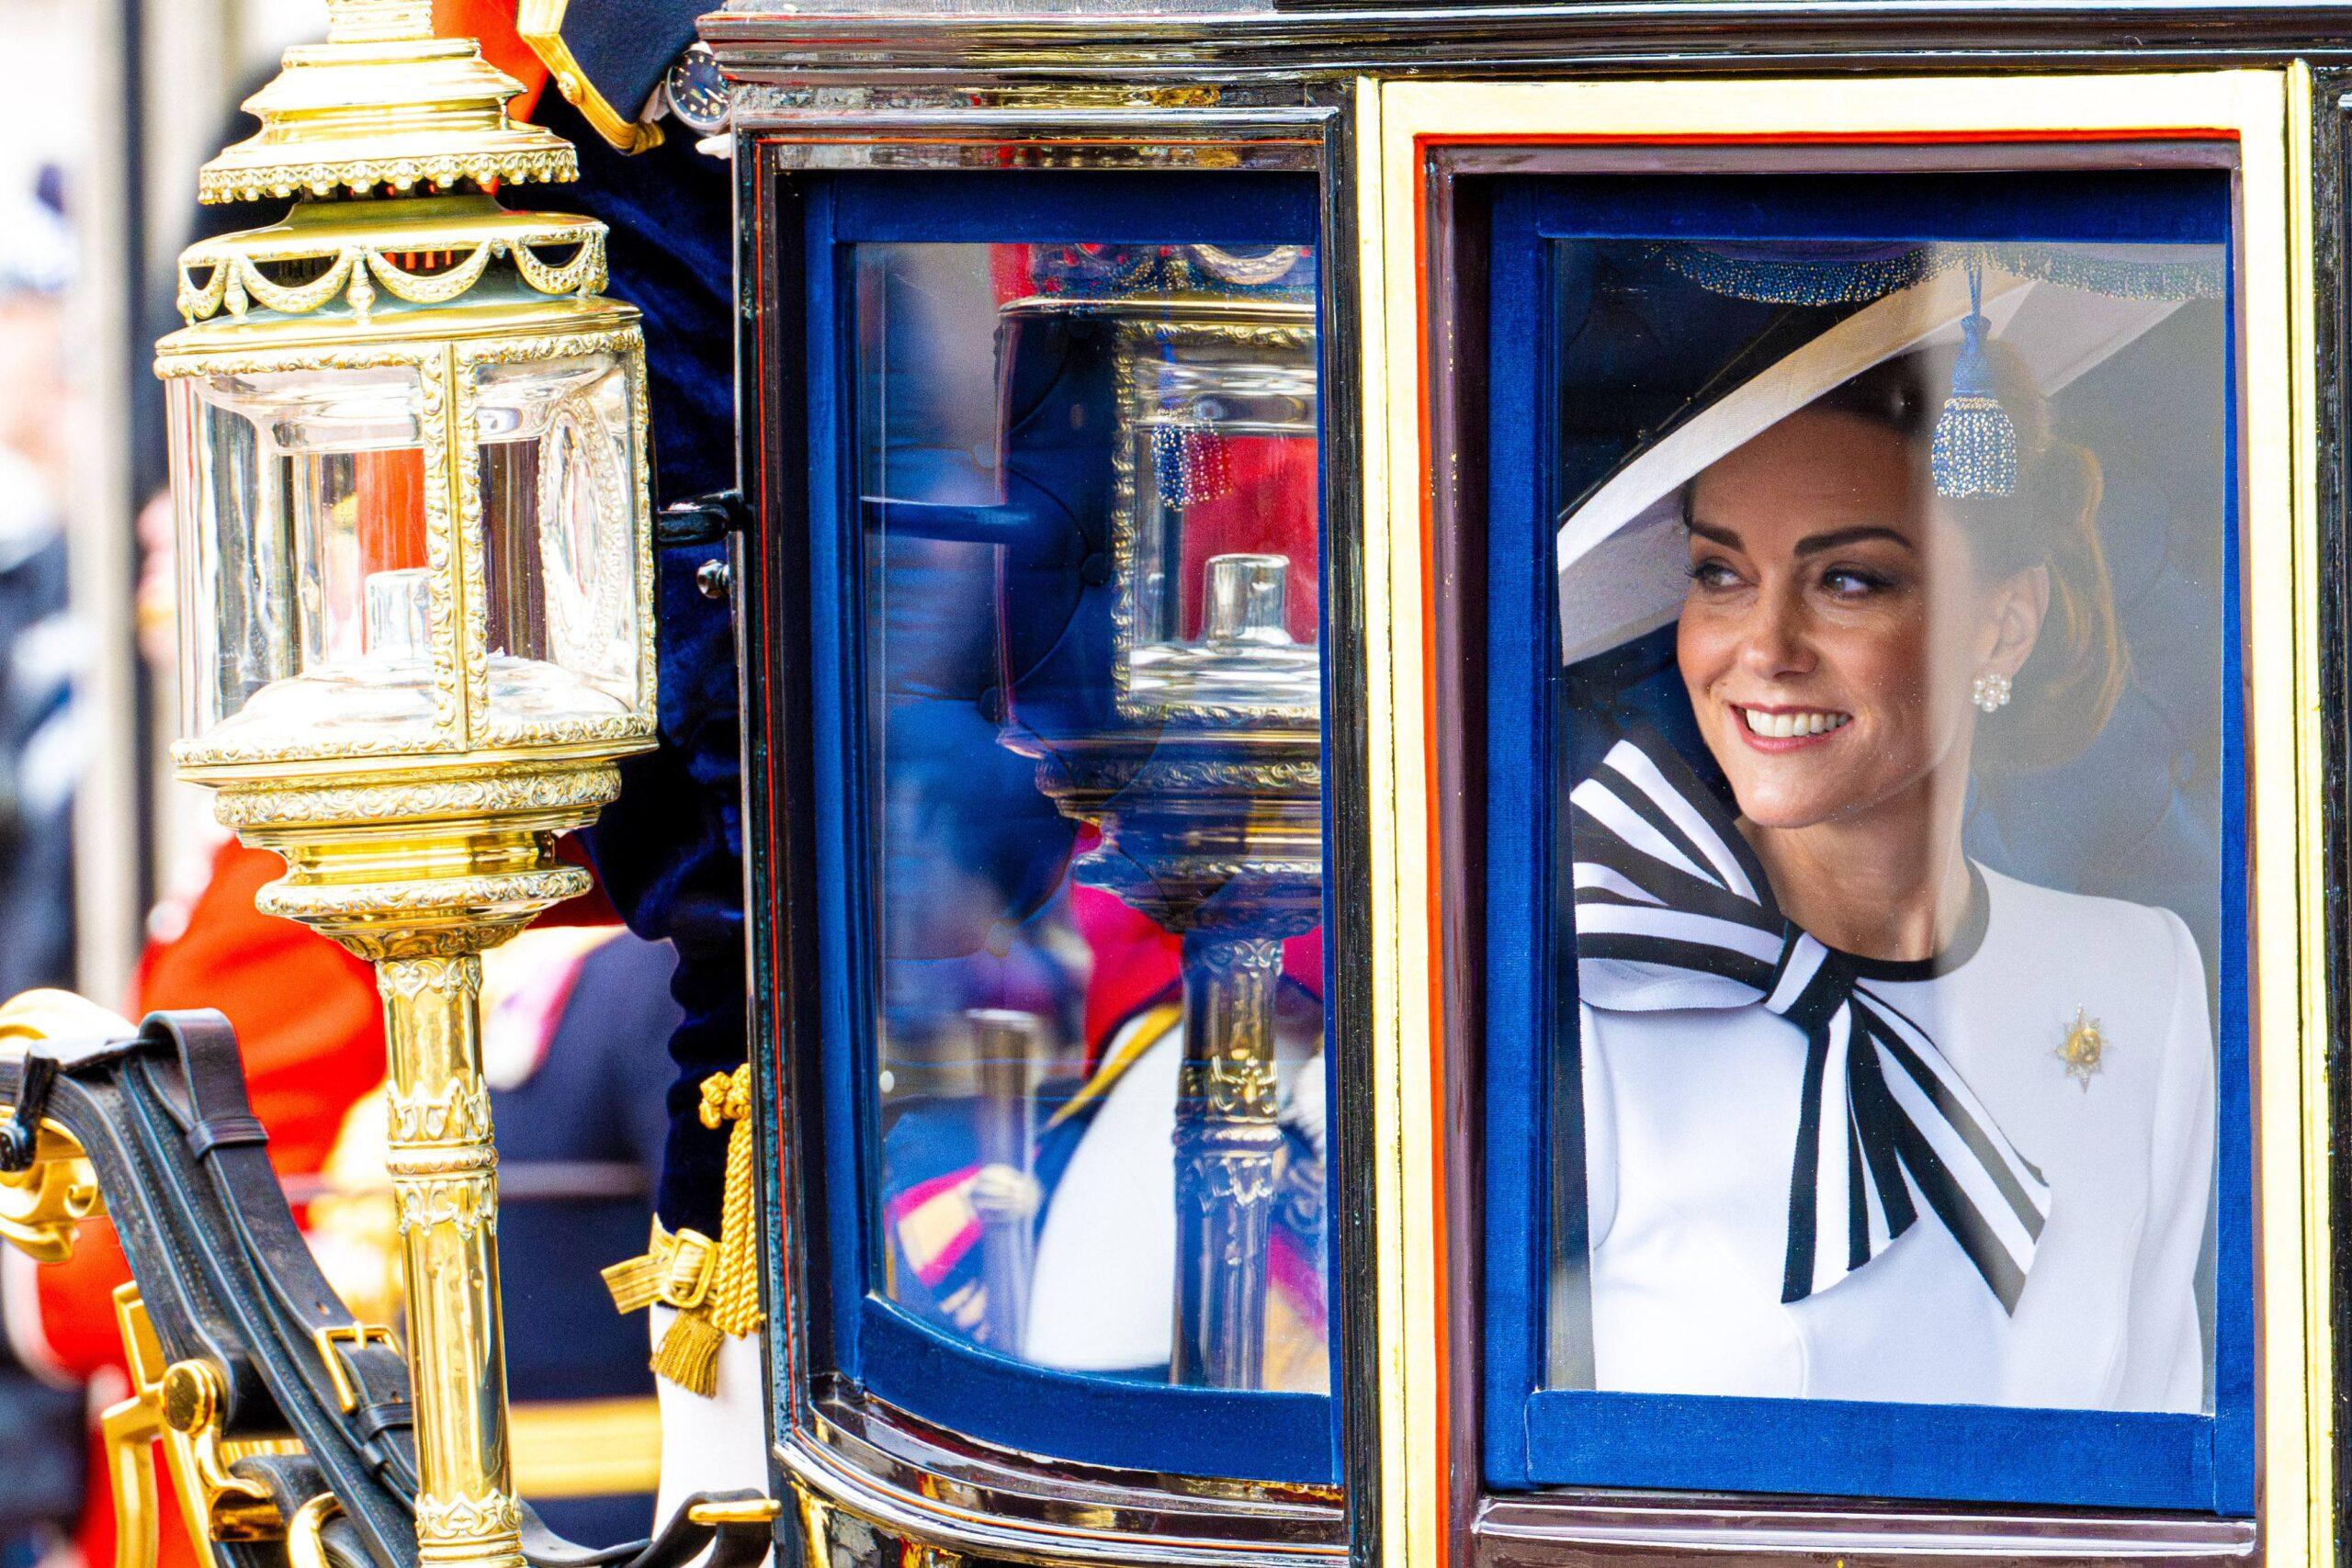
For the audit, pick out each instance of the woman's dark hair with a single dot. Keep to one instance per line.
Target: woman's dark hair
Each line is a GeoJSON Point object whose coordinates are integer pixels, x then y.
{"type": "Point", "coordinates": [2068, 686]}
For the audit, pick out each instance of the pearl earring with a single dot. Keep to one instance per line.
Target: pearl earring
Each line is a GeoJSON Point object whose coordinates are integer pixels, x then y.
{"type": "Point", "coordinates": [1991, 692]}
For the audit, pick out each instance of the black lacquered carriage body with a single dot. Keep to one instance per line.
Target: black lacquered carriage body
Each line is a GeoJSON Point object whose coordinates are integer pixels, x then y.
{"type": "Point", "coordinates": [1161, 738]}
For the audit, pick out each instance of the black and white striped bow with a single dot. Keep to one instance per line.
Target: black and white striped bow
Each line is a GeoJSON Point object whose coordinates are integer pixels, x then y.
{"type": "Point", "coordinates": [1673, 911]}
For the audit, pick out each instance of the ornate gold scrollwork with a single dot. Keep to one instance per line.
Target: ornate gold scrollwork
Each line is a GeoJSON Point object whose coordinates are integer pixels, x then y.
{"type": "Point", "coordinates": [459, 1111]}
{"type": "Point", "coordinates": [462, 1519]}
{"type": "Point", "coordinates": [43, 1206]}
{"type": "Point", "coordinates": [234, 272]}
{"type": "Point", "coordinates": [450, 977]}
{"type": "Point", "coordinates": [428, 799]}
{"type": "Point", "coordinates": [179, 1404]}
{"type": "Point", "coordinates": [303, 1547]}
{"type": "Point", "coordinates": [1237, 1083]}
{"type": "Point", "coordinates": [464, 1204]}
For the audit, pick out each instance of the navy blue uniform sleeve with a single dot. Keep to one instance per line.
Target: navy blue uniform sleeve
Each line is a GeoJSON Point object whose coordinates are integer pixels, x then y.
{"type": "Point", "coordinates": [670, 849]}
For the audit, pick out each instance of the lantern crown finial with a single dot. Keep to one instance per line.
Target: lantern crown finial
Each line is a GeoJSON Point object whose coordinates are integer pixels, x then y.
{"type": "Point", "coordinates": [378, 21]}
{"type": "Point", "coordinates": [383, 104]}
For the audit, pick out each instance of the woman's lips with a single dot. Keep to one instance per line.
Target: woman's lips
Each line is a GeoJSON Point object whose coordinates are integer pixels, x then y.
{"type": "Point", "coordinates": [1788, 729]}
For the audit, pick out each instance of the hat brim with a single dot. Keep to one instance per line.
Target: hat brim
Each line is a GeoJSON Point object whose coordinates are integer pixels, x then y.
{"type": "Point", "coordinates": [1621, 557]}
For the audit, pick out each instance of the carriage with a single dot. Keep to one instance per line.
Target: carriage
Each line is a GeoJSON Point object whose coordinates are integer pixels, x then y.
{"type": "Point", "coordinates": [1212, 482]}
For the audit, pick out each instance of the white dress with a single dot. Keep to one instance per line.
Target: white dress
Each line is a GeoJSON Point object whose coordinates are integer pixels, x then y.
{"type": "Point", "coordinates": [1691, 1126]}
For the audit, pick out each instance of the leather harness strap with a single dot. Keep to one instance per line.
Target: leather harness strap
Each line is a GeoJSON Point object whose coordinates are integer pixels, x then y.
{"type": "Point", "coordinates": [166, 1123]}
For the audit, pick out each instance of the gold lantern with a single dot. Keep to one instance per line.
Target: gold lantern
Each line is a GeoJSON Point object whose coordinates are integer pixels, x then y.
{"type": "Point", "coordinates": [410, 469]}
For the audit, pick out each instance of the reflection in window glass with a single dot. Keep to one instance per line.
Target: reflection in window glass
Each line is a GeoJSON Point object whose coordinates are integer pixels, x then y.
{"type": "Point", "coordinates": [1090, 533]}
{"type": "Point", "coordinates": [1890, 694]}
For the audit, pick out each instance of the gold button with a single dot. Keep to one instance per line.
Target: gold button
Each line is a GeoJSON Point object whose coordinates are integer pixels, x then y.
{"type": "Point", "coordinates": [190, 1393]}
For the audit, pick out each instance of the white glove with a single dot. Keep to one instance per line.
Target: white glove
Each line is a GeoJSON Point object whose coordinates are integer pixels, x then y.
{"type": "Point", "coordinates": [1302, 1111]}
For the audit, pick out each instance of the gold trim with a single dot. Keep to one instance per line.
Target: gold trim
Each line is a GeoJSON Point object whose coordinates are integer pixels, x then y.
{"type": "Point", "coordinates": [353, 249]}
{"type": "Point", "coordinates": [303, 1547]}
{"type": "Point", "coordinates": [625, 345]}
{"type": "Point", "coordinates": [563, 790]}
{"type": "Point", "coordinates": [748, 1511]}
{"type": "Point", "coordinates": [2300, 1440]}
{"type": "Point", "coordinates": [1410, 1316]}
{"type": "Point", "coordinates": [2268, 114]}
{"type": "Point", "coordinates": [586, 1447]}
{"type": "Point", "coordinates": [540, 22]}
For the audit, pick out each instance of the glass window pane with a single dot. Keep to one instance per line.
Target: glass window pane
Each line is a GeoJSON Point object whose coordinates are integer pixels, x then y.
{"type": "Point", "coordinates": [1890, 775]}
{"type": "Point", "coordinates": [307, 597]}
{"type": "Point", "coordinates": [557, 464]}
{"type": "Point", "coordinates": [1089, 531]}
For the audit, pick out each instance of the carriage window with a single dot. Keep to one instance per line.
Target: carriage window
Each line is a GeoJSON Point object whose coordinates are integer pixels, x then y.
{"type": "Point", "coordinates": [1891, 765]}
{"type": "Point", "coordinates": [1090, 840]}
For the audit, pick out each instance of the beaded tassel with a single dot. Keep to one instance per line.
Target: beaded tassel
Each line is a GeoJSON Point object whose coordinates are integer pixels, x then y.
{"type": "Point", "coordinates": [1974, 450]}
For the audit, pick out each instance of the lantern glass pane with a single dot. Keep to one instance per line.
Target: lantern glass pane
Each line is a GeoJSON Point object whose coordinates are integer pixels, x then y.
{"type": "Point", "coordinates": [305, 601]}
{"type": "Point", "coordinates": [558, 466]}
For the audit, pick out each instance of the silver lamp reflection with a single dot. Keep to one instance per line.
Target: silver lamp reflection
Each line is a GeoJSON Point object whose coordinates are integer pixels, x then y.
{"type": "Point", "coordinates": [1202, 775]}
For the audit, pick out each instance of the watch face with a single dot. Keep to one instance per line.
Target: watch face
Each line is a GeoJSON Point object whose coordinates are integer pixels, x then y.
{"type": "Point", "coordinates": [697, 91]}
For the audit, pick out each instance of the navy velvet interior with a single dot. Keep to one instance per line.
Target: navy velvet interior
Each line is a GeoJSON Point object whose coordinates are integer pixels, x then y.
{"type": "Point", "coordinates": [1591, 356]}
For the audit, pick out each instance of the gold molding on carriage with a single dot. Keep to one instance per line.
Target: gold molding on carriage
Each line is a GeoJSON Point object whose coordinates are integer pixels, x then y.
{"type": "Point", "coordinates": [2266, 113]}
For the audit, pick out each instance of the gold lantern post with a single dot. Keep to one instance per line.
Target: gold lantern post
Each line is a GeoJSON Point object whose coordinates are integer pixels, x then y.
{"type": "Point", "coordinates": [409, 459]}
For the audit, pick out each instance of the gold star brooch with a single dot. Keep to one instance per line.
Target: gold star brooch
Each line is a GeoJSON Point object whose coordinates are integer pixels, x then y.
{"type": "Point", "coordinates": [2084, 1050]}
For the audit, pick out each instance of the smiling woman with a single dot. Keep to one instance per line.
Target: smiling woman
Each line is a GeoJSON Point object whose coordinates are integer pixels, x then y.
{"type": "Point", "coordinates": [1849, 1126]}
{"type": "Point", "coordinates": [1848, 617]}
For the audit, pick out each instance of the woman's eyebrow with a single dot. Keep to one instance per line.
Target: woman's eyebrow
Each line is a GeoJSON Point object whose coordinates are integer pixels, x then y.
{"type": "Point", "coordinates": [1814, 543]}
{"type": "Point", "coordinates": [1722, 537]}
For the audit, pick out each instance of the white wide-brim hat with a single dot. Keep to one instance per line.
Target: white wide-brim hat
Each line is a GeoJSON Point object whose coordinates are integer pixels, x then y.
{"type": "Point", "coordinates": [1622, 560]}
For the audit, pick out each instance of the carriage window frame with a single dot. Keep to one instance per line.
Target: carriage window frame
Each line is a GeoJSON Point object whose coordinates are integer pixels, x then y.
{"type": "Point", "coordinates": [857, 1334]}
{"type": "Point", "coordinates": [1549, 1436]}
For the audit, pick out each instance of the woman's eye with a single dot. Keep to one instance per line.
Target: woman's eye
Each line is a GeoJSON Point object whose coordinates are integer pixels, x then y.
{"type": "Point", "coordinates": [1852, 583]}
{"type": "Point", "coordinates": [1713, 574]}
